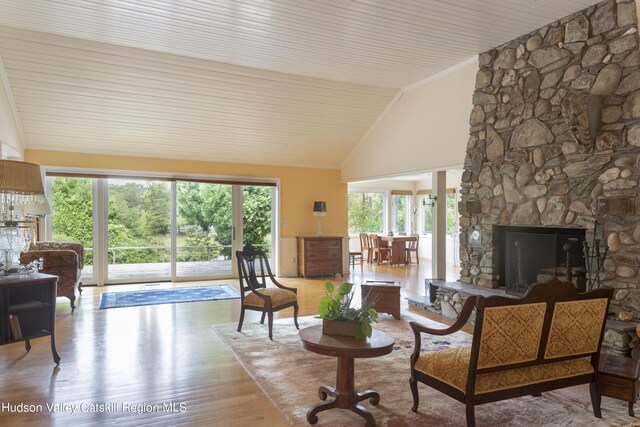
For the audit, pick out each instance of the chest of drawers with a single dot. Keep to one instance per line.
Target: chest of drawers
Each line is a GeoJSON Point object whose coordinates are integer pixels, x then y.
{"type": "Point", "coordinates": [319, 256]}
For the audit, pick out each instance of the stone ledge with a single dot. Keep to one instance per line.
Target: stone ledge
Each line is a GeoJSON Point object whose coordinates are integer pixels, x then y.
{"type": "Point", "coordinates": [470, 289]}
{"type": "Point", "coordinates": [420, 302]}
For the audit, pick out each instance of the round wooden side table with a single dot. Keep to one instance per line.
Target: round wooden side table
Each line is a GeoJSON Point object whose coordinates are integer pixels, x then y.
{"type": "Point", "coordinates": [346, 349]}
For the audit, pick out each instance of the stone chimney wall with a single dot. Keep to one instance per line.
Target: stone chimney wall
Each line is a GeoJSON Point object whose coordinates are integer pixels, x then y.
{"type": "Point", "coordinates": [534, 155]}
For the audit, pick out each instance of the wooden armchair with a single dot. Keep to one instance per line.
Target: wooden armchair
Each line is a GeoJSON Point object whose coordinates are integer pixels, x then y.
{"type": "Point", "coordinates": [547, 340]}
{"type": "Point", "coordinates": [253, 268]}
{"type": "Point", "coordinates": [62, 259]}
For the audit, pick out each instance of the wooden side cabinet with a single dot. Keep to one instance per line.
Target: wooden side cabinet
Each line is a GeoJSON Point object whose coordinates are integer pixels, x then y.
{"type": "Point", "coordinates": [28, 309]}
{"type": "Point", "coordinates": [319, 256]}
{"type": "Point", "coordinates": [618, 378]}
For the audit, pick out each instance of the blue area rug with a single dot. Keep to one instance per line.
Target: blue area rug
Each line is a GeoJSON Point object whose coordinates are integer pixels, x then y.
{"type": "Point", "coordinates": [166, 296]}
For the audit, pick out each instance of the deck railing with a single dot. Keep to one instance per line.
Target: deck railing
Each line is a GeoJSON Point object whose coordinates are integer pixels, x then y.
{"type": "Point", "coordinates": [184, 253]}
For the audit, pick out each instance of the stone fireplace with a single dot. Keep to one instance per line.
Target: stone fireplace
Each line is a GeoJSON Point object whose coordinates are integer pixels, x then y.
{"type": "Point", "coordinates": [555, 142]}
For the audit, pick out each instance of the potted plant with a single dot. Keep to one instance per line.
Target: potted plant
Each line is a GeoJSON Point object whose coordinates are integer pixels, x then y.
{"type": "Point", "coordinates": [339, 318]}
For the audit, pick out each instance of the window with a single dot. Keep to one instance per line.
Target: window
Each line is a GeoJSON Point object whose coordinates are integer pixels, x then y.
{"type": "Point", "coordinates": [365, 212]}
{"type": "Point", "coordinates": [426, 209]}
{"type": "Point", "coordinates": [399, 205]}
{"type": "Point", "coordinates": [452, 211]}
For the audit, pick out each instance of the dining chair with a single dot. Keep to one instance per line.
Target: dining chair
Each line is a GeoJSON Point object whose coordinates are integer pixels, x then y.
{"type": "Point", "coordinates": [412, 246]}
{"type": "Point", "coordinates": [356, 257]}
{"type": "Point", "coordinates": [380, 252]}
{"type": "Point", "coordinates": [365, 246]}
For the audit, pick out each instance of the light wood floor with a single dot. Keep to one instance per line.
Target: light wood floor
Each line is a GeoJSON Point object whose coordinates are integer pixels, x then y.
{"type": "Point", "coordinates": [153, 355]}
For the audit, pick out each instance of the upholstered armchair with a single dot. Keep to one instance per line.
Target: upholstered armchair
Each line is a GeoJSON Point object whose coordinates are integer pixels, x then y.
{"type": "Point", "coordinates": [62, 259]}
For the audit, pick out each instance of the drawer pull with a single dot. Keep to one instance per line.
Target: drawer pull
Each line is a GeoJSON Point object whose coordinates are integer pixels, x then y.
{"type": "Point", "coordinates": [608, 384]}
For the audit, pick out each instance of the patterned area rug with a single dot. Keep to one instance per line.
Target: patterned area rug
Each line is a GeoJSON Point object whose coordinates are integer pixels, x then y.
{"type": "Point", "coordinates": [291, 375]}
{"type": "Point", "coordinates": [166, 296]}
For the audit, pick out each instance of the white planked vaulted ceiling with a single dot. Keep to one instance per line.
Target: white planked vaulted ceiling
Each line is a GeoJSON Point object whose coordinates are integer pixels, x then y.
{"type": "Point", "coordinates": [283, 82]}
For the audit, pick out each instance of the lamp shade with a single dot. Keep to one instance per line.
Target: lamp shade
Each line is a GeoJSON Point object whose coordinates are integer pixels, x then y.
{"type": "Point", "coordinates": [20, 178]}
{"type": "Point", "coordinates": [37, 209]}
{"type": "Point", "coordinates": [319, 206]}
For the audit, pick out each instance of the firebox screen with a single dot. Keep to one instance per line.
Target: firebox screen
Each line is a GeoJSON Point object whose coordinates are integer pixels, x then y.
{"type": "Point", "coordinates": [530, 256]}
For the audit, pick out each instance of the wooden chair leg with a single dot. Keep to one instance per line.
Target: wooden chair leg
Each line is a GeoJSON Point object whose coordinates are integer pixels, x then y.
{"type": "Point", "coordinates": [471, 416]}
{"type": "Point", "coordinates": [595, 400]}
{"type": "Point", "coordinates": [73, 303]}
{"type": "Point", "coordinates": [295, 315]}
{"type": "Point", "coordinates": [414, 391]}
{"type": "Point", "coordinates": [417, 258]}
{"type": "Point", "coordinates": [241, 319]}
{"type": "Point", "coordinates": [271, 325]}
{"type": "Point", "coordinates": [264, 313]}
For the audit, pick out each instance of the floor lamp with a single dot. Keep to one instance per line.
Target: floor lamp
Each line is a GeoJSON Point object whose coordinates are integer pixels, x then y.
{"type": "Point", "coordinates": [20, 184]}
{"type": "Point", "coordinates": [319, 210]}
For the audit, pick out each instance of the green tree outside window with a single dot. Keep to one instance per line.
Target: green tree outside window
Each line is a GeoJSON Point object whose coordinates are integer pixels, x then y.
{"type": "Point", "coordinates": [365, 212]}
{"type": "Point", "coordinates": [399, 209]}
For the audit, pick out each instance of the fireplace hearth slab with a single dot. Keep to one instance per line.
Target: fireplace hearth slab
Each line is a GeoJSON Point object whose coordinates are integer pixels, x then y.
{"type": "Point", "coordinates": [469, 289]}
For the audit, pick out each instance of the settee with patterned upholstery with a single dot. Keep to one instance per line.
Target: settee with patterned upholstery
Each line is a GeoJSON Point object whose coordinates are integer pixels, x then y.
{"type": "Point", "coordinates": [546, 340]}
{"type": "Point", "coordinates": [62, 259]}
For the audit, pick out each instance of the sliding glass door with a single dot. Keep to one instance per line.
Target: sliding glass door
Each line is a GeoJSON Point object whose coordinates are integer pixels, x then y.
{"type": "Point", "coordinates": [72, 217]}
{"type": "Point", "coordinates": [257, 218]}
{"type": "Point", "coordinates": [138, 230]}
{"type": "Point", "coordinates": [204, 229]}
{"type": "Point", "coordinates": [158, 230]}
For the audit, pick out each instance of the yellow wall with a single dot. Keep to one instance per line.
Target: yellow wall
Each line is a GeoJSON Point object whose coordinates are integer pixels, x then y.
{"type": "Point", "coordinates": [299, 187]}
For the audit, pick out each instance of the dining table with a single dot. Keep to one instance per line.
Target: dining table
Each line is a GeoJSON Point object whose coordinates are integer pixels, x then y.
{"type": "Point", "coordinates": [398, 248]}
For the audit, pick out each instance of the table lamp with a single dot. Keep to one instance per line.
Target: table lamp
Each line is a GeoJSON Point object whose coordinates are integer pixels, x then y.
{"type": "Point", "coordinates": [20, 185]}
{"type": "Point", "coordinates": [319, 210]}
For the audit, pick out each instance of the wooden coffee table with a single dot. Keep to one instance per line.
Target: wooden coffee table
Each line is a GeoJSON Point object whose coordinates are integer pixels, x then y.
{"type": "Point", "coordinates": [346, 349]}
